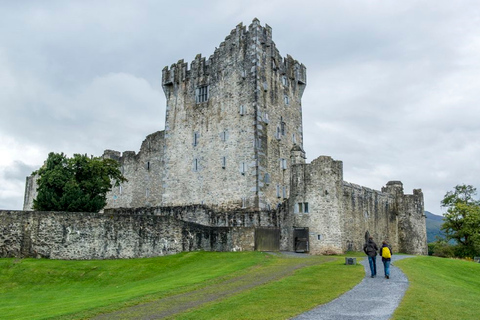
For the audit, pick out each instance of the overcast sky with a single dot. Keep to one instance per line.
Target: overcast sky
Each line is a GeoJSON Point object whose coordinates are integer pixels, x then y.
{"type": "Point", "coordinates": [393, 87]}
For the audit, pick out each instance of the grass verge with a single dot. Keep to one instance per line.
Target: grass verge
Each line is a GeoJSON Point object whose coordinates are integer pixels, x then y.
{"type": "Point", "coordinates": [440, 289]}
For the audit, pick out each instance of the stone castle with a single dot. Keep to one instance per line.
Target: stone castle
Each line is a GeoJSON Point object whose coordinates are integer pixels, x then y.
{"type": "Point", "coordinates": [229, 169]}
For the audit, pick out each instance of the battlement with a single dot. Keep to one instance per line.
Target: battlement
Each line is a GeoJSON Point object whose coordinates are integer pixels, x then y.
{"type": "Point", "coordinates": [240, 39]}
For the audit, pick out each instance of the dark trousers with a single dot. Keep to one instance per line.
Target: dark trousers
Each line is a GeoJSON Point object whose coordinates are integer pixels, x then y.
{"type": "Point", "coordinates": [373, 265]}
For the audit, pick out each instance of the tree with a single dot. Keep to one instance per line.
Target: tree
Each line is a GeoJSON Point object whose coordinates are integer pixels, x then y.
{"type": "Point", "coordinates": [462, 220]}
{"type": "Point", "coordinates": [77, 184]}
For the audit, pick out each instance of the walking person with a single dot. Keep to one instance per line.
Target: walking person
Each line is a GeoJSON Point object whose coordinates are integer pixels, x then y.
{"type": "Point", "coordinates": [370, 248]}
{"type": "Point", "coordinates": [386, 253]}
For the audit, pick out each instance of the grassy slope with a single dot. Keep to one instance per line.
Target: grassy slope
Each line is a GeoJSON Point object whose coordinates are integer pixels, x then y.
{"type": "Point", "coordinates": [440, 289]}
{"type": "Point", "coordinates": [44, 288]}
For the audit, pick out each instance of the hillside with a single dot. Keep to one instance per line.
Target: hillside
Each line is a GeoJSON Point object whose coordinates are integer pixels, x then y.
{"type": "Point", "coordinates": [434, 223]}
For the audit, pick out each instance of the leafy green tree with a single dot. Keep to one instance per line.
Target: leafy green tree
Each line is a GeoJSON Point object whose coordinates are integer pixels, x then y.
{"type": "Point", "coordinates": [462, 220]}
{"type": "Point", "coordinates": [77, 184]}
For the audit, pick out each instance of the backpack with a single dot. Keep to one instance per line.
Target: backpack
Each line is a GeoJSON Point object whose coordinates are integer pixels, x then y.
{"type": "Point", "coordinates": [386, 253]}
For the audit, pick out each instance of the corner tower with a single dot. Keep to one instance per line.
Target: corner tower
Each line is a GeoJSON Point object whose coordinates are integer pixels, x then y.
{"type": "Point", "coordinates": [231, 123]}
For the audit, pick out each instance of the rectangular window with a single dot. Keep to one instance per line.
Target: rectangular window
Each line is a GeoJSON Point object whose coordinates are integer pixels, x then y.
{"type": "Point", "coordinates": [201, 94]}
{"type": "Point", "coordinates": [120, 189]}
{"type": "Point", "coordinates": [287, 100]}
{"type": "Point", "coordinates": [283, 164]}
{"type": "Point", "coordinates": [224, 162]}
{"type": "Point", "coordinates": [284, 192]}
{"type": "Point", "coordinates": [223, 136]}
{"type": "Point", "coordinates": [244, 203]}
{"type": "Point", "coordinates": [147, 193]}
{"type": "Point", "coordinates": [302, 207]}
{"type": "Point", "coordinates": [278, 134]}
{"type": "Point", "coordinates": [265, 118]}
{"type": "Point", "coordinates": [284, 80]}
{"type": "Point", "coordinates": [148, 165]}
{"type": "Point", "coordinates": [294, 139]}
{"type": "Point", "coordinates": [278, 191]}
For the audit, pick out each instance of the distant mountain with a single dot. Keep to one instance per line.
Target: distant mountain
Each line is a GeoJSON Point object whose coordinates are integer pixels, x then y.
{"type": "Point", "coordinates": [433, 226]}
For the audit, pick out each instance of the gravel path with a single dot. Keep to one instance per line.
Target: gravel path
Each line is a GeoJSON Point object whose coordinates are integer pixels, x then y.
{"type": "Point", "coordinates": [373, 298]}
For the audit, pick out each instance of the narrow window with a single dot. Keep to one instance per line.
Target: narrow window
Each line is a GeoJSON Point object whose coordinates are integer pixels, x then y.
{"type": "Point", "coordinates": [265, 118]}
{"type": "Point", "coordinates": [278, 191]}
{"type": "Point", "coordinates": [278, 135]}
{"type": "Point", "coordinates": [242, 110]}
{"type": "Point", "coordinates": [287, 101]}
{"type": "Point", "coordinates": [284, 192]}
{"type": "Point", "coordinates": [244, 203]}
{"type": "Point", "coordinates": [305, 207]}
{"type": "Point", "coordinates": [244, 74]}
{"type": "Point", "coordinates": [295, 208]}
{"type": "Point", "coordinates": [282, 126]}
{"type": "Point", "coordinates": [319, 237]}
{"type": "Point", "coordinates": [195, 164]}
{"type": "Point", "coordinates": [242, 168]}
{"type": "Point", "coordinates": [223, 136]}
{"type": "Point", "coordinates": [120, 189]}
{"type": "Point", "coordinates": [300, 207]}
{"type": "Point", "coordinates": [148, 165]}
{"type": "Point", "coordinates": [283, 164]}
{"type": "Point", "coordinates": [195, 139]}
{"type": "Point", "coordinates": [267, 178]}
{"type": "Point", "coordinates": [147, 193]}
{"type": "Point", "coordinates": [294, 139]}
{"type": "Point", "coordinates": [284, 80]}
{"type": "Point", "coordinates": [201, 94]}
{"type": "Point", "coordinates": [224, 162]}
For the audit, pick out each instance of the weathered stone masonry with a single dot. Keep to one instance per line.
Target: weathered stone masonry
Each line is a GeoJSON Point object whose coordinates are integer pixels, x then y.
{"type": "Point", "coordinates": [229, 162]}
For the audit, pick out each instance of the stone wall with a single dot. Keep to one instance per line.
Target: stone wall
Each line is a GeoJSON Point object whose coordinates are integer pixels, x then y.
{"type": "Point", "coordinates": [341, 213]}
{"type": "Point", "coordinates": [61, 235]}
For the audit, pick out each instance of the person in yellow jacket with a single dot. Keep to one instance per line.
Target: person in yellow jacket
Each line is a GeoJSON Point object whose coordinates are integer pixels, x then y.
{"type": "Point", "coordinates": [386, 254]}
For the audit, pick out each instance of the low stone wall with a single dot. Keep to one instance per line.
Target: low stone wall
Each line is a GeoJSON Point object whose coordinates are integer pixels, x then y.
{"type": "Point", "coordinates": [66, 235]}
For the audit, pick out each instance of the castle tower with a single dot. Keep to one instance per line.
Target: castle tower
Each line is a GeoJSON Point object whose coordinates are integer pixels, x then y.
{"type": "Point", "coordinates": [231, 123]}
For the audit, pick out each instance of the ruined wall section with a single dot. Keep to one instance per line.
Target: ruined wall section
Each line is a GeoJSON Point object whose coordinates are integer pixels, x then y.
{"type": "Point", "coordinates": [66, 235]}
{"type": "Point", "coordinates": [144, 173]}
{"type": "Point", "coordinates": [412, 224]}
{"type": "Point", "coordinates": [368, 210]}
{"type": "Point", "coordinates": [319, 184]}
{"type": "Point", "coordinates": [30, 192]}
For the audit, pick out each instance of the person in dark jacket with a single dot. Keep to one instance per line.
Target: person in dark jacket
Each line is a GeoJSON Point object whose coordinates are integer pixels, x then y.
{"type": "Point", "coordinates": [386, 261]}
{"type": "Point", "coordinates": [370, 248]}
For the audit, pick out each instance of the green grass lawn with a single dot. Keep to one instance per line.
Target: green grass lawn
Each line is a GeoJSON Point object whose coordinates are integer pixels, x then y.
{"type": "Point", "coordinates": [37, 289]}
{"type": "Point", "coordinates": [440, 289]}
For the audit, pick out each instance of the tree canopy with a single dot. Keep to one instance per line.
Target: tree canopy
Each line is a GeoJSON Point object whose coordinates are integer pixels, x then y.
{"type": "Point", "coordinates": [77, 184]}
{"type": "Point", "coordinates": [462, 220]}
